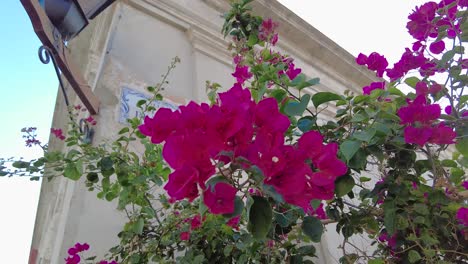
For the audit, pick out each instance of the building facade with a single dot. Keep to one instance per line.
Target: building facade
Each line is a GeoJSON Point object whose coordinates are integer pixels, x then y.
{"type": "Point", "coordinates": [126, 49]}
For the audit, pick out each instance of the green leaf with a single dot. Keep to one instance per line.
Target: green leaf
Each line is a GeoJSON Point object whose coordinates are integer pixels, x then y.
{"type": "Point", "coordinates": [447, 56]}
{"type": "Point", "coordinates": [389, 216]}
{"type": "Point", "coordinates": [238, 208]}
{"type": "Point", "coordinates": [412, 81]}
{"type": "Point", "coordinates": [20, 164]}
{"type": "Point", "coordinates": [260, 217]}
{"type": "Point", "coordinates": [294, 108]}
{"type": "Point", "coordinates": [313, 228]}
{"type": "Point", "coordinates": [462, 146]}
{"type": "Point", "coordinates": [308, 83]}
{"type": "Point", "coordinates": [421, 209]}
{"type": "Point", "coordinates": [413, 256]}
{"type": "Point", "coordinates": [106, 163]}
{"type": "Point", "coordinates": [298, 80]}
{"type": "Point", "coordinates": [395, 91]}
{"type": "Point", "coordinates": [124, 130]}
{"type": "Point", "coordinates": [271, 192]}
{"type": "Point", "coordinates": [360, 98]}
{"type": "Point", "coordinates": [306, 123]}
{"type": "Point", "coordinates": [252, 40]}
{"type": "Point", "coordinates": [364, 179]}
{"type": "Point", "coordinates": [227, 250]}
{"type": "Point", "coordinates": [307, 250]}
{"type": "Point", "coordinates": [349, 147]}
{"type": "Point", "coordinates": [365, 135]}
{"type": "Point", "coordinates": [324, 97]}
{"type": "Point", "coordinates": [343, 185]}
{"type": "Point", "coordinates": [315, 203]}
{"type": "Point", "coordinates": [92, 177]}
{"type": "Point", "coordinates": [138, 226]}
{"type": "Point", "coordinates": [376, 261]}
{"type": "Point", "coordinates": [72, 171]}
{"type": "Point", "coordinates": [449, 163]}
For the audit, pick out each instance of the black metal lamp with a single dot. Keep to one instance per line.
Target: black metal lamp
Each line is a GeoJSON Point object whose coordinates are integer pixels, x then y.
{"type": "Point", "coordinates": [66, 15]}
{"type": "Point", "coordinates": [71, 16]}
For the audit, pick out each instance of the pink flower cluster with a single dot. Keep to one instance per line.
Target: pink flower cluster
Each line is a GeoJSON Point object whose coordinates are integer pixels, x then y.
{"type": "Point", "coordinates": [462, 216]}
{"type": "Point", "coordinates": [30, 136]}
{"type": "Point", "coordinates": [195, 223]}
{"type": "Point", "coordinates": [198, 136]}
{"type": "Point", "coordinates": [424, 25]}
{"type": "Point", "coordinates": [375, 62]}
{"type": "Point", "coordinates": [390, 240]}
{"type": "Point", "coordinates": [73, 252]}
{"type": "Point", "coordinates": [58, 133]}
{"type": "Point", "coordinates": [267, 31]}
{"type": "Point", "coordinates": [420, 118]}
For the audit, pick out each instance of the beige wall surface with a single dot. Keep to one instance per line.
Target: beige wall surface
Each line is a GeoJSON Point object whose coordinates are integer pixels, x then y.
{"type": "Point", "coordinates": [131, 45]}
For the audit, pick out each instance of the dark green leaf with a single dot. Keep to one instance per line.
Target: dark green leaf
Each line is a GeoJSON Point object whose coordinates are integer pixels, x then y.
{"type": "Point", "coordinates": [344, 185]}
{"type": "Point", "coordinates": [92, 177]}
{"type": "Point", "coordinates": [324, 97]}
{"type": "Point", "coordinates": [349, 147]}
{"type": "Point", "coordinates": [313, 228]}
{"type": "Point", "coordinates": [413, 256]}
{"type": "Point", "coordinates": [306, 123]}
{"type": "Point", "coordinates": [260, 217]}
{"type": "Point", "coordinates": [294, 108]}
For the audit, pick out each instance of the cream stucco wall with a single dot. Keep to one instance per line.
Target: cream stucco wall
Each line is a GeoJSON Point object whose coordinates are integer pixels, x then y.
{"type": "Point", "coordinates": [131, 45]}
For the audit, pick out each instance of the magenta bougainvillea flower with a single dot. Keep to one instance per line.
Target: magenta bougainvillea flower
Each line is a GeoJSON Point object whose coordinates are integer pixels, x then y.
{"type": "Point", "coordinates": [448, 110]}
{"type": "Point", "coordinates": [422, 88]}
{"type": "Point", "coordinates": [417, 135]}
{"type": "Point", "coordinates": [420, 118]}
{"type": "Point", "coordinates": [73, 253]}
{"type": "Point", "coordinates": [373, 86]}
{"type": "Point", "coordinates": [421, 23]}
{"type": "Point", "coordinates": [183, 183]}
{"type": "Point", "coordinates": [195, 222]}
{"type": "Point", "coordinates": [220, 198]}
{"type": "Point", "coordinates": [437, 47]}
{"type": "Point", "coordinates": [409, 60]}
{"type": "Point", "coordinates": [185, 236]}
{"type": "Point", "coordinates": [391, 240]}
{"type": "Point", "coordinates": [442, 134]}
{"type": "Point", "coordinates": [462, 216]}
{"type": "Point", "coordinates": [58, 133]}
{"type": "Point", "coordinates": [292, 72]}
{"type": "Point", "coordinates": [160, 126]}
{"type": "Point", "coordinates": [242, 74]}
{"type": "Point", "coordinates": [375, 62]}
{"type": "Point", "coordinates": [234, 222]}
{"type": "Point", "coordinates": [465, 185]}
{"type": "Point", "coordinates": [419, 111]}
{"type": "Point", "coordinates": [108, 262]}
{"type": "Point", "coordinates": [237, 127]}
{"type": "Point", "coordinates": [267, 31]}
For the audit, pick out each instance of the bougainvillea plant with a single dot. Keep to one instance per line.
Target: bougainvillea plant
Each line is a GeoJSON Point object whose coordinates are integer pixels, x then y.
{"type": "Point", "coordinates": [257, 174]}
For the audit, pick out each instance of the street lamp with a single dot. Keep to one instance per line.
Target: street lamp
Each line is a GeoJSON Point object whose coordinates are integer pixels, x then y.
{"type": "Point", "coordinates": [56, 22]}
{"type": "Point", "coordinates": [66, 15]}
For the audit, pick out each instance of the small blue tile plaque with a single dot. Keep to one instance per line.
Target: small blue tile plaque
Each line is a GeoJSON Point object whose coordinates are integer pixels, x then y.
{"type": "Point", "coordinates": [128, 101]}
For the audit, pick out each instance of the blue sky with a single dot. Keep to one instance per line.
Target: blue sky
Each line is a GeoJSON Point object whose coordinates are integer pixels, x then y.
{"type": "Point", "coordinates": [28, 91]}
